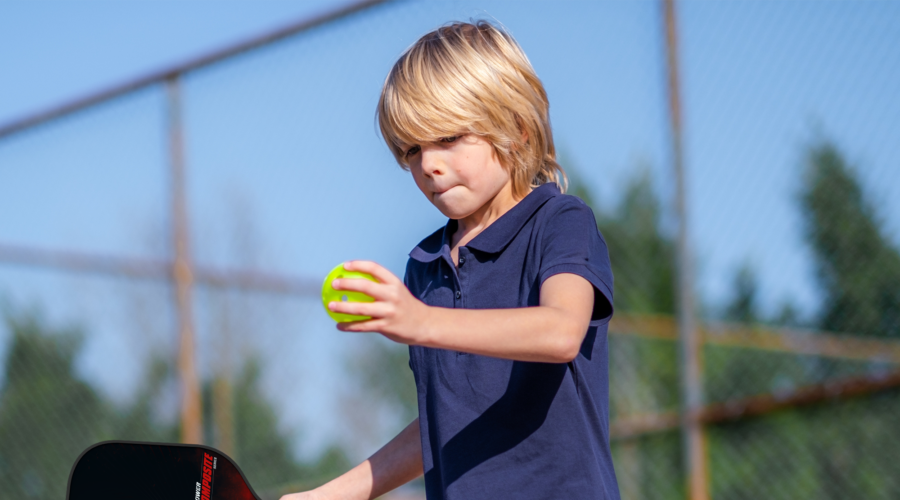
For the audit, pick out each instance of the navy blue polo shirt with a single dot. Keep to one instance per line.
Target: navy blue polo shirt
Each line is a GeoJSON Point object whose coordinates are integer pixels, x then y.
{"type": "Point", "coordinates": [495, 428]}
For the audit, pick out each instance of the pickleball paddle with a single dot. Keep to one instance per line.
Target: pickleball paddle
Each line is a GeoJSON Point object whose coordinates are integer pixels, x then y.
{"type": "Point", "coordinates": [117, 470]}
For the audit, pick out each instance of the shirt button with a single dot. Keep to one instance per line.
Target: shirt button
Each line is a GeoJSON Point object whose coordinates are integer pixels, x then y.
{"type": "Point", "coordinates": [458, 294]}
{"type": "Point", "coordinates": [462, 260]}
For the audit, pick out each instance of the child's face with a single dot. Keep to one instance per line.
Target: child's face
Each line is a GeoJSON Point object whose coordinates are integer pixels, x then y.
{"type": "Point", "coordinates": [459, 175]}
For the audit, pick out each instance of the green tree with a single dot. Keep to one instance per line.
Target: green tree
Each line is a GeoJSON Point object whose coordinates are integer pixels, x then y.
{"type": "Point", "coordinates": [857, 267]}
{"type": "Point", "coordinates": [837, 450]}
{"type": "Point", "coordinates": [743, 307]}
{"type": "Point", "coordinates": [48, 416]}
{"type": "Point", "coordinates": [641, 254]}
{"type": "Point", "coordinates": [735, 372]}
{"type": "Point", "coordinates": [135, 421]}
{"type": "Point", "coordinates": [643, 372]}
{"type": "Point", "coordinates": [382, 400]}
{"type": "Point", "coordinates": [264, 451]}
{"type": "Point", "coordinates": [385, 368]}
{"type": "Point", "coordinates": [858, 271]}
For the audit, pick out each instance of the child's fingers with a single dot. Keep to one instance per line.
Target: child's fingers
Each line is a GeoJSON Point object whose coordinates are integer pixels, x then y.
{"type": "Point", "coordinates": [367, 266]}
{"type": "Point", "coordinates": [369, 325]}
{"type": "Point", "coordinates": [374, 290]}
{"type": "Point", "coordinates": [373, 309]}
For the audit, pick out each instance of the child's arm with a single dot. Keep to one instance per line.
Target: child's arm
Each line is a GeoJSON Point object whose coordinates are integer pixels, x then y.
{"type": "Point", "coordinates": [395, 464]}
{"type": "Point", "coordinates": [552, 332]}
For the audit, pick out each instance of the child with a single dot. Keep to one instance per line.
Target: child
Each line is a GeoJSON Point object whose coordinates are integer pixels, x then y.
{"type": "Point", "coordinates": [506, 308]}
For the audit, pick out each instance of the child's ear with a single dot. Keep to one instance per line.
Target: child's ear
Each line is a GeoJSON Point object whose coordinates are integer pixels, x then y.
{"type": "Point", "coordinates": [522, 129]}
{"type": "Point", "coordinates": [515, 146]}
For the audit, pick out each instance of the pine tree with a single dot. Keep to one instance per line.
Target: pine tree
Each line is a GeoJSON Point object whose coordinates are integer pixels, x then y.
{"type": "Point", "coordinates": [743, 307]}
{"type": "Point", "coordinates": [857, 267]}
{"type": "Point", "coordinates": [265, 452]}
{"type": "Point", "coordinates": [48, 416]}
{"type": "Point", "coordinates": [641, 254]}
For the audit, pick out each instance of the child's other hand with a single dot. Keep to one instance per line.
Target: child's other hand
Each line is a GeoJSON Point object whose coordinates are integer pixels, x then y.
{"type": "Point", "coordinates": [396, 313]}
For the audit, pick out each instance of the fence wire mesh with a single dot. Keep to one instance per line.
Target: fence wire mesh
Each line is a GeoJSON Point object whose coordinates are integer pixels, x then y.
{"type": "Point", "coordinates": [792, 141]}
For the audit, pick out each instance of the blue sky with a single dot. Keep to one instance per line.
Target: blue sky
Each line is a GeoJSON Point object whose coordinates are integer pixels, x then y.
{"type": "Point", "coordinates": [283, 141]}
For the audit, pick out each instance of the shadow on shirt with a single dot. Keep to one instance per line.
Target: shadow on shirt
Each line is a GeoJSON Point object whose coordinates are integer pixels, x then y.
{"type": "Point", "coordinates": [514, 417]}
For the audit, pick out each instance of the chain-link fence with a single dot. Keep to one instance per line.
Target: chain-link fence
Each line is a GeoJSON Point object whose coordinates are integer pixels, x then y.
{"type": "Point", "coordinates": [206, 202]}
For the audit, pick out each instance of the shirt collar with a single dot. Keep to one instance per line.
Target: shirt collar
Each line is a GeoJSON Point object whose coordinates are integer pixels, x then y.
{"type": "Point", "coordinates": [494, 238]}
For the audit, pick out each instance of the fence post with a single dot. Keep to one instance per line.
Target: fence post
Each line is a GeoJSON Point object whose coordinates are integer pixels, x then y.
{"type": "Point", "coordinates": [182, 274]}
{"type": "Point", "coordinates": [690, 346]}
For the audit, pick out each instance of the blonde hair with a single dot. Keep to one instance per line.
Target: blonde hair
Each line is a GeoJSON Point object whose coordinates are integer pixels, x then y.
{"type": "Point", "coordinates": [473, 79]}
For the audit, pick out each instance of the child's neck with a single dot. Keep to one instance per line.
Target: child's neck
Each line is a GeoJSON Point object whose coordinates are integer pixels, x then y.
{"type": "Point", "coordinates": [472, 225]}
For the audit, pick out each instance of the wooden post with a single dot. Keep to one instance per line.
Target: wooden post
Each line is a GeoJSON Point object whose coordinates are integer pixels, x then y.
{"type": "Point", "coordinates": [689, 339]}
{"type": "Point", "coordinates": [182, 275]}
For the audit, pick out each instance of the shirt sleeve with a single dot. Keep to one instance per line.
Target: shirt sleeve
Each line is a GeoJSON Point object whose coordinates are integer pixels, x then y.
{"type": "Point", "coordinates": [572, 244]}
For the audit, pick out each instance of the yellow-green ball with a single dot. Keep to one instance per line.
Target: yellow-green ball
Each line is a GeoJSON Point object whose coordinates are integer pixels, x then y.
{"type": "Point", "coordinates": [329, 294]}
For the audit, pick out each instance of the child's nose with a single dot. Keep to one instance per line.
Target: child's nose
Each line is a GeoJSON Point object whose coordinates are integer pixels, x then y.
{"type": "Point", "coordinates": [431, 164]}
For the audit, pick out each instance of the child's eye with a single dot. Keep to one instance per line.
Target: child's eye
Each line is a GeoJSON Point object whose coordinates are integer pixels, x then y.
{"type": "Point", "coordinates": [452, 138]}
{"type": "Point", "coordinates": [411, 151]}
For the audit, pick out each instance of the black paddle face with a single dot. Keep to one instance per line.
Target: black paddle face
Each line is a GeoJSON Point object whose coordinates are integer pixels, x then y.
{"type": "Point", "coordinates": [155, 471]}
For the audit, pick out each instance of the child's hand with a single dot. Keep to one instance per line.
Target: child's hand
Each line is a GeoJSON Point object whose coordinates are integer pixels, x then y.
{"type": "Point", "coordinates": [396, 313]}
